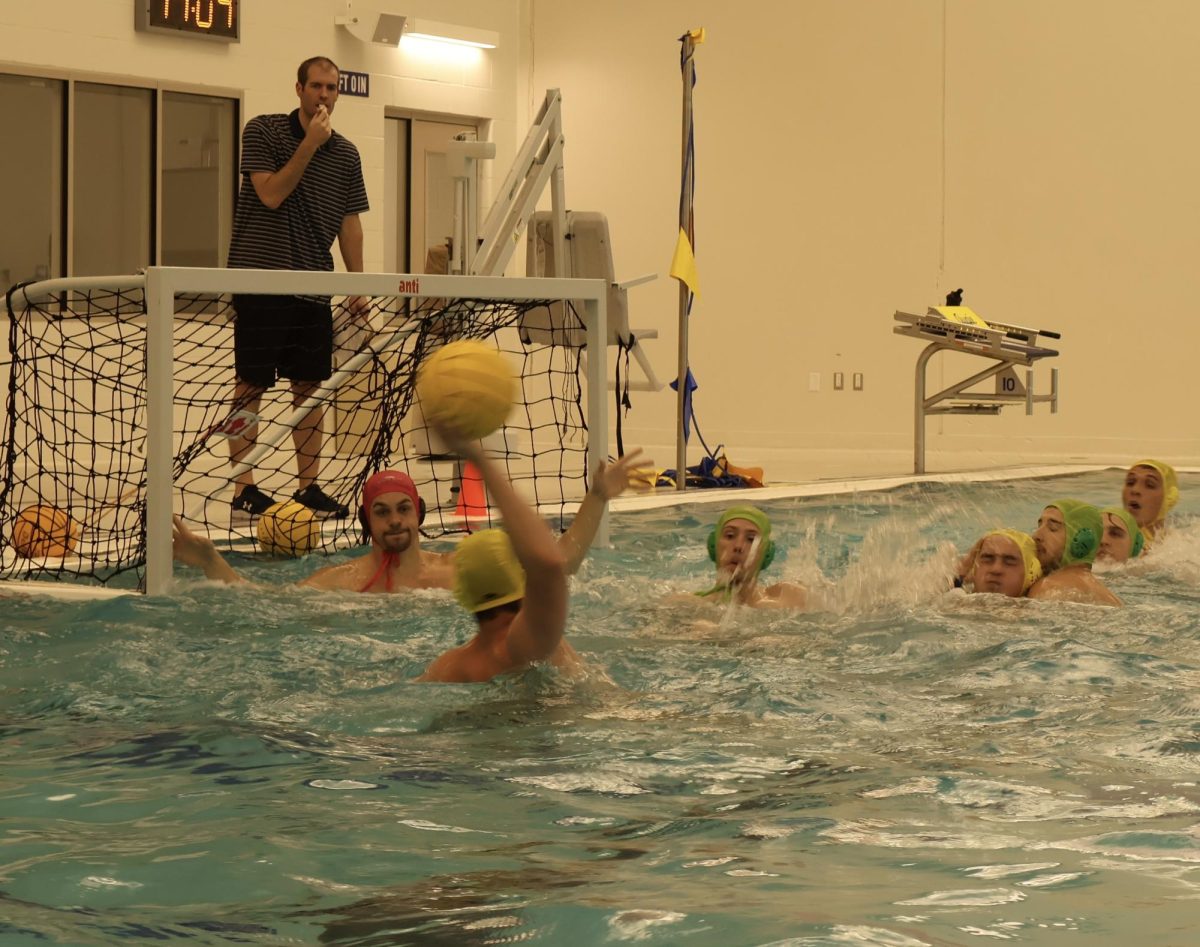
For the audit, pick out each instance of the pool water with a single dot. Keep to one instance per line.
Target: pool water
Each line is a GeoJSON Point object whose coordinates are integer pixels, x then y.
{"type": "Point", "coordinates": [903, 766]}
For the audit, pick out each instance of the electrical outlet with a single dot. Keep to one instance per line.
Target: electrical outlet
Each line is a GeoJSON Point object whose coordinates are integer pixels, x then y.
{"type": "Point", "coordinates": [858, 381]}
{"type": "Point", "coordinates": [839, 381]}
{"type": "Point", "coordinates": [814, 381]}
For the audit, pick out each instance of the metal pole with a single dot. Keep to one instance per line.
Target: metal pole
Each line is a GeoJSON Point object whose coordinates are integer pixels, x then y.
{"type": "Point", "coordinates": [685, 223]}
{"type": "Point", "coordinates": [919, 409]}
{"type": "Point", "coordinates": [160, 422]}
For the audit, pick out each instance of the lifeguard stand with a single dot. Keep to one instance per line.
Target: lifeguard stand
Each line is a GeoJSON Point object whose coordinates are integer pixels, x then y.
{"type": "Point", "coordinates": [955, 328]}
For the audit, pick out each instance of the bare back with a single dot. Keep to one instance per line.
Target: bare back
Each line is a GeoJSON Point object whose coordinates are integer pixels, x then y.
{"type": "Point", "coordinates": [489, 654]}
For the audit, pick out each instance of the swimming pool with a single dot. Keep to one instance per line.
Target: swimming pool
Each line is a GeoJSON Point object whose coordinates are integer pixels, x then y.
{"type": "Point", "coordinates": [902, 767]}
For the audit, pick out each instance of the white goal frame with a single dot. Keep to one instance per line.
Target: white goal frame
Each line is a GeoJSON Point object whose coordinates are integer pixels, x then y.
{"type": "Point", "coordinates": [164, 283]}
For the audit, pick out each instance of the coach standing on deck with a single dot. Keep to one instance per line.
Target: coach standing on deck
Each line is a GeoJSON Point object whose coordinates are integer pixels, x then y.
{"type": "Point", "coordinates": [302, 185]}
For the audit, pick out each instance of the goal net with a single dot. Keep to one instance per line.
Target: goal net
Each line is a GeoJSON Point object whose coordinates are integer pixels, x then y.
{"type": "Point", "coordinates": [121, 412]}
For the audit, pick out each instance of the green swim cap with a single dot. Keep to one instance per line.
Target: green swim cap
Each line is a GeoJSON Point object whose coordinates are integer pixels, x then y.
{"type": "Point", "coordinates": [1025, 543]}
{"type": "Point", "coordinates": [751, 513]}
{"type": "Point", "coordinates": [1084, 529]}
{"type": "Point", "coordinates": [486, 571]}
{"type": "Point", "coordinates": [1131, 526]}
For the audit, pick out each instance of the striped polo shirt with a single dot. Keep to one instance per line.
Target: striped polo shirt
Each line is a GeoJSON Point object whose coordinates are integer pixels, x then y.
{"type": "Point", "coordinates": [299, 233]}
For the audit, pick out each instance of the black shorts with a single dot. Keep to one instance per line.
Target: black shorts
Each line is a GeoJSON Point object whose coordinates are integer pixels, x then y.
{"type": "Point", "coordinates": [281, 337]}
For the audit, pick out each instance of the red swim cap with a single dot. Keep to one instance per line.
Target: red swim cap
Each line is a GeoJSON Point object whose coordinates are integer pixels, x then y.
{"type": "Point", "coordinates": [389, 481]}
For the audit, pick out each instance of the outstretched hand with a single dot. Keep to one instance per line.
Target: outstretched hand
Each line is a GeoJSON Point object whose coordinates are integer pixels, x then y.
{"type": "Point", "coordinates": [613, 479]}
{"type": "Point", "coordinates": [188, 548]}
{"type": "Point", "coordinates": [199, 551]}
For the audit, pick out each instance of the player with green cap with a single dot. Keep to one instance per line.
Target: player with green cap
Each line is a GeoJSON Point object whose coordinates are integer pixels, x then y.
{"type": "Point", "coordinates": [1123, 539]}
{"type": "Point", "coordinates": [740, 546]}
{"type": "Point", "coordinates": [1067, 538]}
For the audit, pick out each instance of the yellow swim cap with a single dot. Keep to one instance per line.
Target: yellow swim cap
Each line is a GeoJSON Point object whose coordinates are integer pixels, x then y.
{"type": "Point", "coordinates": [486, 571]}
{"type": "Point", "coordinates": [1025, 543]}
{"type": "Point", "coordinates": [1170, 485]}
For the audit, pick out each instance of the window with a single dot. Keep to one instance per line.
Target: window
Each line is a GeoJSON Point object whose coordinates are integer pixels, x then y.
{"type": "Point", "coordinates": [199, 176]}
{"type": "Point", "coordinates": [31, 168]}
{"type": "Point", "coordinates": [107, 179]}
{"type": "Point", "coordinates": [113, 173]}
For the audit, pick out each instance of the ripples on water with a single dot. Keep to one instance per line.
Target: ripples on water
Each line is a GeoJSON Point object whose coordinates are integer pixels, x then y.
{"type": "Point", "coordinates": [904, 766]}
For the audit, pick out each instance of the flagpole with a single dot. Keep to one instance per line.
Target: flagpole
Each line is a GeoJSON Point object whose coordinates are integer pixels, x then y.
{"type": "Point", "coordinates": [686, 233]}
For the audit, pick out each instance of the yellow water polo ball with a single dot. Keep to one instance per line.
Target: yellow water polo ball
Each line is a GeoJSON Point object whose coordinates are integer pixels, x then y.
{"type": "Point", "coordinates": [289, 529]}
{"type": "Point", "coordinates": [468, 386]}
{"type": "Point", "coordinates": [44, 532]}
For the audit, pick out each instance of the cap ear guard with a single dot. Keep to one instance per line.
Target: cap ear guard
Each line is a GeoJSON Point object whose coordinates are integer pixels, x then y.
{"type": "Point", "coordinates": [1139, 543]}
{"type": "Point", "coordinates": [768, 555]}
{"type": "Point", "coordinates": [1083, 545]}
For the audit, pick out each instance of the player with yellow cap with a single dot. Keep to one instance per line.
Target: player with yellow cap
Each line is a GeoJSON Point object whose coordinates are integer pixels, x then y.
{"type": "Point", "coordinates": [1003, 562]}
{"type": "Point", "coordinates": [514, 583]}
{"type": "Point", "coordinates": [1151, 489]}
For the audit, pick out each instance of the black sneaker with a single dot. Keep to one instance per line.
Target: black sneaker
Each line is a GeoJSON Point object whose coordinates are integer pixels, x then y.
{"type": "Point", "coordinates": [316, 500]}
{"type": "Point", "coordinates": [253, 501]}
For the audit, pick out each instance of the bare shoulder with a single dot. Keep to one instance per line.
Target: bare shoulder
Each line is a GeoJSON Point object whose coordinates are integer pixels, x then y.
{"type": "Point", "coordinates": [1071, 585]}
{"type": "Point", "coordinates": [437, 570]}
{"type": "Point", "coordinates": [460, 665]}
{"type": "Point", "coordinates": [442, 669]}
{"type": "Point", "coordinates": [785, 595]}
{"type": "Point", "coordinates": [344, 576]}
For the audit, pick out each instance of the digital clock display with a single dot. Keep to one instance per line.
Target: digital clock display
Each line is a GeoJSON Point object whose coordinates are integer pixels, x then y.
{"type": "Point", "coordinates": [216, 19]}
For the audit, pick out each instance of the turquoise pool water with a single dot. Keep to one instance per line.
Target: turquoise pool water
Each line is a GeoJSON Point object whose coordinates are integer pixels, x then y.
{"type": "Point", "coordinates": [902, 767]}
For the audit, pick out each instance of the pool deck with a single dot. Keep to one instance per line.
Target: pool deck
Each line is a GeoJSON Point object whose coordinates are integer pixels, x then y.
{"type": "Point", "coordinates": [665, 497]}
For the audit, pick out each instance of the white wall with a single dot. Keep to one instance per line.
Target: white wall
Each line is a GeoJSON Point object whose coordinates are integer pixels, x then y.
{"type": "Point", "coordinates": [96, 38]}
{"type": "Point", "coordinates": [855, 157]}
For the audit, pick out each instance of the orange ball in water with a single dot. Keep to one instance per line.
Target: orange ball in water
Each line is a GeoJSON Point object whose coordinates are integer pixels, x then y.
{"type": "Point", "coordinates": [468, 386]}
{"type": "Point", "coordinates": [289, 529]}
{"type": "Point", "coordinates": [44, 532]}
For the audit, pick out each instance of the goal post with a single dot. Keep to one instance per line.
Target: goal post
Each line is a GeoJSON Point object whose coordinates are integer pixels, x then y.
{"type": "Point", "coordinates": [162, 342]}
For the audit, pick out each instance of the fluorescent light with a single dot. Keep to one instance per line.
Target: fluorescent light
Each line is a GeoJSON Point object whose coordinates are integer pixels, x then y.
{"type": "Point", "coordinates": [450, 33]}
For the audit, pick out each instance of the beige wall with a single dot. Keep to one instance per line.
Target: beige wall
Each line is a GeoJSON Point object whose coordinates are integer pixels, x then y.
{"type": "Point", "coordinates": [854, 158]}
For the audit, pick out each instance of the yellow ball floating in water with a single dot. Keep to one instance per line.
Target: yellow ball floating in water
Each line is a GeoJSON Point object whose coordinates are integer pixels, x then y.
{"type": "Point", "coordinates": [467, 386]}
{"type": "Point", "coordinates": [289, 529]}
{"type": "Point", "coordinates": [44, 532]}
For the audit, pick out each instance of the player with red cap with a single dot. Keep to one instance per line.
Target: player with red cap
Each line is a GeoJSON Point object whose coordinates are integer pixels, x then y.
{"type": "Point", "coordinates": [391, 515]}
